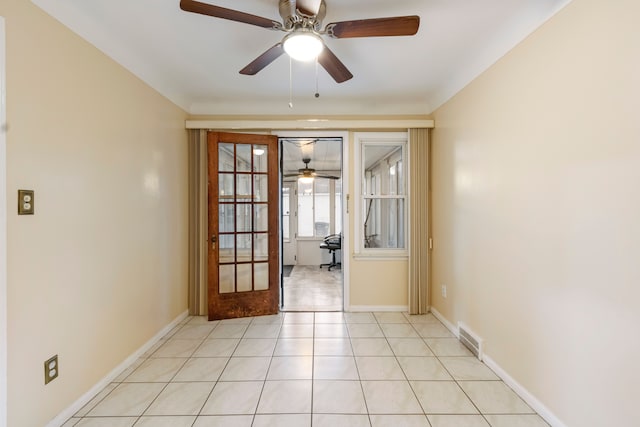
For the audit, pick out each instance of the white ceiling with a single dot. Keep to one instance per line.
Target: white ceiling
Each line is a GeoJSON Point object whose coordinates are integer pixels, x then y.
{"type": "Point", "coordinates": [194, 60]}
{"type": "Point", "coordinates": [325, 154]}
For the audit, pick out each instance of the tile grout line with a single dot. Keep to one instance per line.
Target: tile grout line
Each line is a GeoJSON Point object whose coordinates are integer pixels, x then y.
{"type": "Point", "coordinates": [177, 371]}
{"type": "Point", "coordinates": [424, 412]}
{"type": "Point", "coordinates": [313, 364]}
{"type": "Point", "coordinates": [215, 383]}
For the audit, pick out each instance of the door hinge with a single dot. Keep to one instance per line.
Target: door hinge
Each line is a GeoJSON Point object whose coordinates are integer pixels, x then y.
{"type": "Point", "coordinates": [431, 243]}
{"type": "Point", "coordinates": [295, 257]}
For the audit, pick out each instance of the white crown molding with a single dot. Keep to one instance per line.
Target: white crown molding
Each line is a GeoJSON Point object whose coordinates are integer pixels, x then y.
{"type": "Point", "coordinates": [309, 124]}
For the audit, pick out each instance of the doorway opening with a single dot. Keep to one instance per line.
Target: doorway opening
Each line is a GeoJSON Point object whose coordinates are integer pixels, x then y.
{"type": "Point", "coordinates": [311, 223]}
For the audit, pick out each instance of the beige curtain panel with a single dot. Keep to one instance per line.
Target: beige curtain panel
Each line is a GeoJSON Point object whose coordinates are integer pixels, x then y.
{"type": "Point", "coordinates": [198, 227]}
{"type": "Point", "coordinates": [419, 220]}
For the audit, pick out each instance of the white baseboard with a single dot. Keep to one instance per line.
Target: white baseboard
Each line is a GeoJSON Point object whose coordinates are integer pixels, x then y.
{"type": "Point", "coordinates": [531, 400]}
{"type": "Point", "coordinates": [378, 308]}
{"type": "Point", "coordinates": [86, 398]}
{"type": "Point", "coordinates": [450, 326]}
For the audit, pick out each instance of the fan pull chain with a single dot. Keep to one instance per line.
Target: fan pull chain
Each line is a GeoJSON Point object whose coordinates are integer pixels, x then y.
{"type": "Point", "coordinates": [290, 82]}
{"type": "Point", "coordinates": [317, 95]}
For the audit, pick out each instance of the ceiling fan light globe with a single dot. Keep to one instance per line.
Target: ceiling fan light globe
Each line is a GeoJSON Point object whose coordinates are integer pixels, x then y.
{"type": "Point", "coordinates": [306, 179]}
{"type": "Point", "coordinates": [303, 46]}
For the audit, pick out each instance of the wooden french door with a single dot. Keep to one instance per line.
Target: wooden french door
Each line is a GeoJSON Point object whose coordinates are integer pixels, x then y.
{"type": "Point", "coordinates": [243, 225]}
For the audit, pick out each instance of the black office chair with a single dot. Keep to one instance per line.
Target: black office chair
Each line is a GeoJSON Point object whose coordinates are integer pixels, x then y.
{"type": "Point", "coordinates": [332, 243]}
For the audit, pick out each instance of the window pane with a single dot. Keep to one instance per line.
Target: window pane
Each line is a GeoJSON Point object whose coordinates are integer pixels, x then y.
{"type": "Point", "coordinates": [243, 221]}
{"type": "Point", "coordinates": [261, 247]}
{"type": "Point", "coordinates": [227, 279]}
{"type": "Point", "coordinates": [393, 180]}
{"type": "Point", "coordinates": [261, 218]}
{"type": "Point", "coordinates": [260, 158]}
{"type": "Point", "coordinates": [381, 173]}
{"type": "Point", "coordinates": [225, 187]}
{"type": "Point", "coordinates": [384, 223]}
{"type": "Point", "coordinates": [243, 188]}
{"type": "Point", "coordinates": [225, 218]}
{"type": "Point", "coordinates": [244, 247]}
{"type": "Point", "coordinates": [305, 209]}
{"type": "Point", "coordinates": [261, 276]}
{"type": "Point", "coordinates": [260, 187]}
{"type": "Point", "coordinates": [322, 207]}
{"type": "Point", "coordinates": [226, 248]}
{"type": "Point", "coordinates": [245, 271]}
{"type": "Point", "coordinates": [225, 157]}
{"type": "Point", "coordinates": [400, 169]}
{"type": "Point", "coordinates": [243, 158]}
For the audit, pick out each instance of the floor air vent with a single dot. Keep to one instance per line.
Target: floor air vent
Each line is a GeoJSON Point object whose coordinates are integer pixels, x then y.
{"type": "Point", "coordinates": [470, 340]}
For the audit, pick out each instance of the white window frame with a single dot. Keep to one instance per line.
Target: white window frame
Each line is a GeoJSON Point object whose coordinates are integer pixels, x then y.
{"type": "Point", "coordinates": [362, 139]}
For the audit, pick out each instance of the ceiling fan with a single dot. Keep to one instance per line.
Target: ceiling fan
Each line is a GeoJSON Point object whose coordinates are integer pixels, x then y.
{"type": "Point", "coordinates": [302, 21]}
{"type": "Point", "coordinates": [307, 173]}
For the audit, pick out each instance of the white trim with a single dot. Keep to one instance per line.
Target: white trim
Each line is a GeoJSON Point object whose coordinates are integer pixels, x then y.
{"type": "Point", "coordinates": [308, 124]}
{"type": "Point", "coordinates": [450, 326]}
{"type": "Point", "coordinates": [379, 308]}
{"type": "Point", "coordinates": [346, 285]}
{"type": "Point", "coordinates": [3, 229]}
{"type": "Point", "coordinates": [531, 400]}
{"type": "Point", "coordinates": [63, 416]}
{"type": "Point", "coordinates": [387, 256]}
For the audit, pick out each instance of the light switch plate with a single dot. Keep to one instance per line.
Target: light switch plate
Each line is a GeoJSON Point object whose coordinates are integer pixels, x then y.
{"type": "Point", "coordinates": [25, 202]}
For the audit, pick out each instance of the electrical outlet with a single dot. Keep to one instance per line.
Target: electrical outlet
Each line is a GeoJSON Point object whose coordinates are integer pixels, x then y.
{"type": "Point", "coordinates": [444, 291]}
{"type": "Point", "coordinates": [25, 202]}
{"type": "Point", "coordinates": [51, 369]}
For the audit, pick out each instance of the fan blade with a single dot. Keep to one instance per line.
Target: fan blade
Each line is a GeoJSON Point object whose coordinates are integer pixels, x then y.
{"type": "Point", "coordinates": [221, 12]}
{"type": "Point", "coordinates": [327, 176]}
{"type": "Point", "coordinates": [379, 27]}
{"type": "Point", "coordinates": [308, 7]}
{"type": "Point", "coordinates": [263, 60]}
{"type": "Point", "coordinates": [334, 67]}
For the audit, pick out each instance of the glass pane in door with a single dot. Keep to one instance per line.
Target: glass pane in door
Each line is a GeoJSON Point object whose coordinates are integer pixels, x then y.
{"type": "Point", "coordinates": [227, 279]}
{"type": "Point", "coordinates": [260, 157]}
{"type": "Point", "coordinates": [243, 158]}
{"type": "Point", "coordinates": [244, 277]}
{"type": "Point", "coordinates": [261, 276]}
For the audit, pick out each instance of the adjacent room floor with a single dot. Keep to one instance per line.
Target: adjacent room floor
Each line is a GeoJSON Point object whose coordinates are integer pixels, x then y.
{"type": "Point", "coordinates": [304, 369]}
{"type": "Point", "coordinates": [311, 288]}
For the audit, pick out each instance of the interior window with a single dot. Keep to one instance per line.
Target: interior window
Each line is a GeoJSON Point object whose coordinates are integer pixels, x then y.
{"type": "Point", "coordinates": [383, 198]}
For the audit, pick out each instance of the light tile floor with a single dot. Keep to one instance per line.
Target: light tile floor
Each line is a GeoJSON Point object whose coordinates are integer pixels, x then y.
{"type": "Point", "coordinates": [311, 288]}
{"type": "Point", "coordinates": [308, 369]}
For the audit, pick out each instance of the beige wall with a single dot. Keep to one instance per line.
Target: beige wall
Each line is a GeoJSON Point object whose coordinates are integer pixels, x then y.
{"type": "Point", "coordinates": [101, 267]}
{"type": "Point", "coordinates": [379, 284]}
{"type": "Point", "coordinates": [536, 210]}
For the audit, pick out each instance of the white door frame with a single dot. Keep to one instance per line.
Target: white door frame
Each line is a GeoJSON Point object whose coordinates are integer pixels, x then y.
{"type": "Point", "coordinates": [345, 190]}
{"type": "Point", "coordinates": [3, 229]}
{"type": "Point", "coordinates": [290, 249]}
